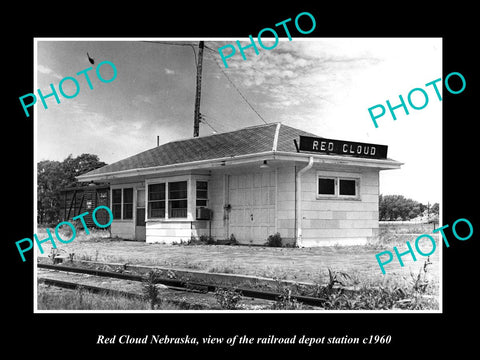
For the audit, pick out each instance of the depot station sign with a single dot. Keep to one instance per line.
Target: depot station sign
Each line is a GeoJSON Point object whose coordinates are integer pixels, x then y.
{"type": "Point", "coordinates": [342, 147]}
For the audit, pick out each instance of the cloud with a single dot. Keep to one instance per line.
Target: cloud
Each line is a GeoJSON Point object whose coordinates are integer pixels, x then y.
{"type": "Point", "coordinates": [46, 70]}
{"type": "Point", "coordinates": [140, 100]}
{"type": "Point", "coordinates": [304, 73]}
{"type": "Point", "coordinates": [69, 126]}
{"type": "Point", "coordinates": [169, 72]}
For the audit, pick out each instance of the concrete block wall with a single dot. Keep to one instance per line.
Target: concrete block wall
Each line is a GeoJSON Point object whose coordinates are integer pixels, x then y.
{"type": "Point", "coordinates": [324, 221]}
{"type": "Point", "coordinates": [168, 232]}
{"type": "Point", "coordinates": [286, 203]}
{"type": "Point", "coordinates": [331, 221]}
{"type": "Point", "coordinates": [216, 193]}
{"type": "Point", "coordinates": [124, 229]}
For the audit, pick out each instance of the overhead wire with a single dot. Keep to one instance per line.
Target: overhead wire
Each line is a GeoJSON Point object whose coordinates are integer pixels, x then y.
{"type": "Point", "coordinates": [219, 125]}
{"type": "Point", "coordinates": [175, 44]}
{"type": "Point", "coordinates": [238, 90]}
{"type": "Point", "coordinates": [223, 72]}
{"type": "Point", "coordinates": [202, 120]}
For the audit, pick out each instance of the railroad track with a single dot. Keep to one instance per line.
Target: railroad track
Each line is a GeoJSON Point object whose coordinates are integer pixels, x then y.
{"type": "Point", "coordinates": [173, 284]}
{"type": "Point", "coordinates": [74, 283]}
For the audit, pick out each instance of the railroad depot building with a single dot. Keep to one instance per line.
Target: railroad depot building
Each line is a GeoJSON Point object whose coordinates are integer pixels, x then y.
{"type": "Point", "coordinates": [252, 183]}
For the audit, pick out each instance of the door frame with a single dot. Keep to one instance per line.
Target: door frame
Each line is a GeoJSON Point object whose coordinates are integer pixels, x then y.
{"type": "Point", "coordinates": [140, 230]}
{"type": "Point", "coordinates": [249, 209]}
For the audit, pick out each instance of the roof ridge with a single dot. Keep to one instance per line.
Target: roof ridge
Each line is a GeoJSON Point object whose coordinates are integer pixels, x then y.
{"type": "Point", "coordinates": [222, 133]}
{"type": "Point", "coordinates": [275, 138]}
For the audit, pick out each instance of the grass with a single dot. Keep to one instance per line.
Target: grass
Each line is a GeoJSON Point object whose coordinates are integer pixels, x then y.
{"type": "Point", "coordinates": [51, 298]}
{"type": "Point", "coordinates": [397, 234]}
{"type": "Point", "coordinates": [298, 264]}
{"type": "Point", "coordinates": [419, 293]}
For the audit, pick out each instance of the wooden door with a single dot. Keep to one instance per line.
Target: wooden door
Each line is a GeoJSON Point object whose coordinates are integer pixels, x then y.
{"type": "Point", "coordinates": [252, 200]}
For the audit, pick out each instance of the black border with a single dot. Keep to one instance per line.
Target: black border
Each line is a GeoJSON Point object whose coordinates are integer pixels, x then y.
{"type": "Point", "coordinates": [411, 334]}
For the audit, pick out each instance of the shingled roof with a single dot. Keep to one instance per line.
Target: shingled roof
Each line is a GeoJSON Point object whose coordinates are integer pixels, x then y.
{"type": "Point", "coordinates": [251, 140]}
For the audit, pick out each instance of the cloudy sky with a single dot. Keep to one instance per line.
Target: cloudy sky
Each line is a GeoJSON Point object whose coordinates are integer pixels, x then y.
{"type": "Point", "coordinates": [321, 85]}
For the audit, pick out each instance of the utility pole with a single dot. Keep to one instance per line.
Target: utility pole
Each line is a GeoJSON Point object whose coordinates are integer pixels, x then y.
{"type": "Point", "coordinates": [196, 120]}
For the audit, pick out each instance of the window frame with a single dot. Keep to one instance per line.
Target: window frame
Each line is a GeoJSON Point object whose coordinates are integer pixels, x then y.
{"type": "Point", "coordinates": [170, 200]}
{"type": "Point", "coordinates": [122, 203]}
{"type": "Point", "coordinates": [337, 178]}
{"type": "Point", "coordinates": [356, 187]}
{"type": "Point", "coordinates": [334, 186]}
{"type": "Point", "coordinates": [206, 199]}
{"type": "Point", "coordinates": [147, 195]}
{"type": "Point", "coordinates": [124, 208]}
{"type": "Point", "coordinates": [166, 181]}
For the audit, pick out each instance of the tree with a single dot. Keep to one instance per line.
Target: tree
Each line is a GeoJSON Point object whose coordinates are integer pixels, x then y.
{"type": "Point", "coordinates": [82, 164]}
{"type": "Point", "coordinates": [52, 176]}
{"type": "Point", "coordinates": [395, 207]}
{"type": "Point", "coordinates": [49, 177]}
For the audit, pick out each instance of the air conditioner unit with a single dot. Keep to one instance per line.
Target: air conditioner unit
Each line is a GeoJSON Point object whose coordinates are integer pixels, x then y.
{"type": "Point", "coordinates": [203, 213]}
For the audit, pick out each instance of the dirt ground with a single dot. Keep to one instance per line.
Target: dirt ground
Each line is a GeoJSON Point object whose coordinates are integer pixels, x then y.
{"type": "Point", "coordinates": [300, 264]}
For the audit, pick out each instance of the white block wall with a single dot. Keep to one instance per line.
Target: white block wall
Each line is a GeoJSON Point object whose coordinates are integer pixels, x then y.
{"type": "Point", "coordinates": [327, 222]}
{"type": "Point", "coordinates": [124, 229]}
{"type": "Point", "coordinates": [324, 222]}
{"type": "Point", "coordinates": [216, 193]}
{"type": "Point", "coordinates": [286, 202]}
{"type": "Point", "coordinates": [168, 232]}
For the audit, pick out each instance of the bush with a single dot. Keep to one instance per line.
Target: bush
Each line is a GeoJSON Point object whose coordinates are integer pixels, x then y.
{"type": "Point", "coordinates": [150, 289]}
{"type": "Point", "coordinates": [203, 239]}
{"type": "Point", "coordinates": [381, 298]}
{"type": "Point", "coordinates": [420, 295]}
{"type": "Point", "coordinates": [233, 240]}
{"type": "Point", "coordinates": [227, 298]}
{"type": "Point", "coordinates": [206, 239]}
{"type": "Point", "coordinates": [286, 302]}
{"type": "Point", "coordinates": [274, 240]}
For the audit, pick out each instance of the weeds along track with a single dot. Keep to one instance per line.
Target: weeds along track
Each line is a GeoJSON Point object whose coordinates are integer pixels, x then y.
{"type": "Point", "coordinates": [193, 289]}
{"type": "Point", "coordinates": [191, 282]}
{"type": "Point", "coordinates": [118, 288]}
{"type": "Point", "coordinates": [91, 288]}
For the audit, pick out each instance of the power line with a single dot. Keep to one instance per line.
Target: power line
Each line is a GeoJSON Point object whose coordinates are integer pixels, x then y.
{"type": "Point", "coordinates": [216, 122]}
{"type": "Point", "coordinates": [202, 119]}
{"type": "Point", "coordinates": [238, 90]}
{"type": "Point", "coordinates": [209, 48]}
{"type": "Point", "coordinates": [175, 44]}
{"type": "Point", "coordinates": [223, 72]}
{"type": "Point", "coordinates": [168, 43]}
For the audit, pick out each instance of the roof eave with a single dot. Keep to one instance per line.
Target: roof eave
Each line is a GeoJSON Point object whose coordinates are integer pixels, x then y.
{"type": "Point", "coordinates": [382, 164]}
{"type": "Point", "coordinates": [202, 164]}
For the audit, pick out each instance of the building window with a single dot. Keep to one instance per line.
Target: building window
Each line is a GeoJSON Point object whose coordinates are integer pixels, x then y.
{"type": "Point", "coordinates": [128, 203]}
{"type": "Point", "coordinates": [122, 204]}
{"type": "Point", "coordinates": [156, 200]}
{"type": "Point", "coordinates": [348, 187]}
{"type": "Point", "coordinates": [338, 187]}
{"type": "Point", "coordinates": [117, 203]}
{"type": "Point", "coordinates": [202, 194]}
{"type": "Point", "coordinates": [326, 186]}
{"type": "Point", "coordinates": [177, 199]}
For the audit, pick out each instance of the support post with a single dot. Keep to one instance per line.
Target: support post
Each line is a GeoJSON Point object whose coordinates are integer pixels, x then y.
{"type": "Point", "coordinates": [196, 123]}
